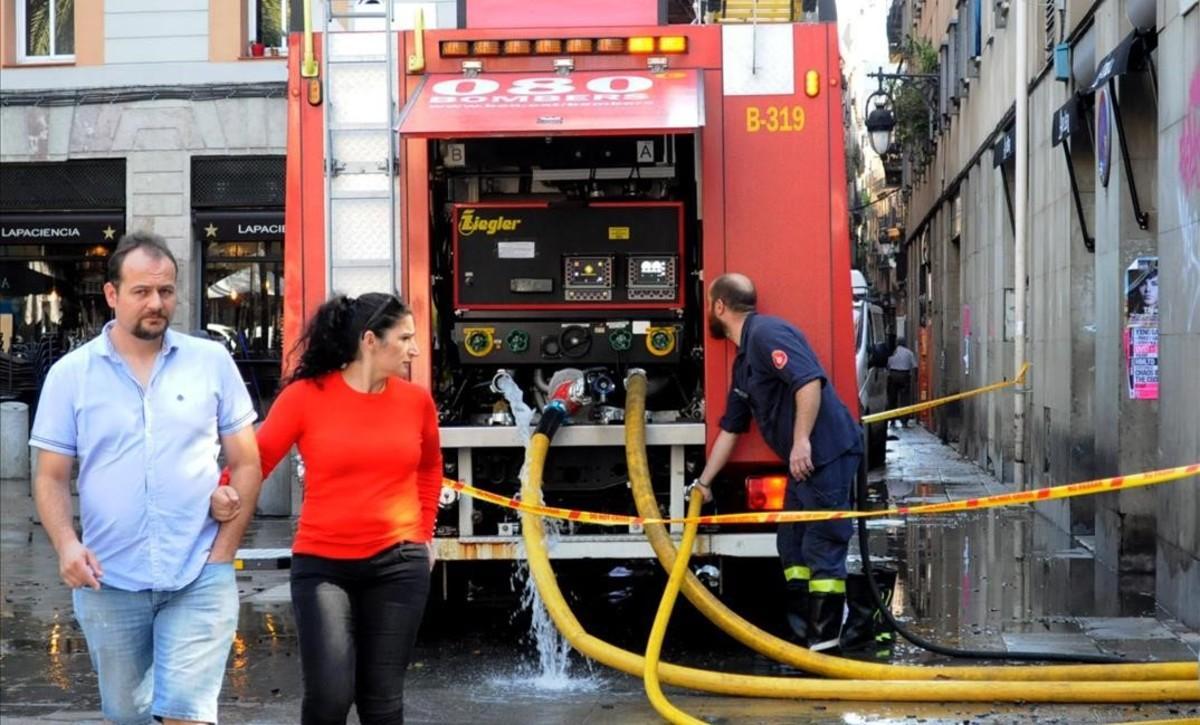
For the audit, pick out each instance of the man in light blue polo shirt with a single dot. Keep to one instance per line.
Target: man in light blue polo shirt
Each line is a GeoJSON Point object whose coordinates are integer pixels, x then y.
{"type": "Point", "coordinates": [147, 411]}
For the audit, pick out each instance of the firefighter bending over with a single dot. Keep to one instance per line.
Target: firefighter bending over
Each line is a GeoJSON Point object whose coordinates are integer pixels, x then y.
{"type": "Point", "coordinates": [778, 380]}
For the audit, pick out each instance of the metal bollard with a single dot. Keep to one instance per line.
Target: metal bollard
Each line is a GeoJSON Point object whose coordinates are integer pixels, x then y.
{"type": "Point", "coordinates": [14, 440]}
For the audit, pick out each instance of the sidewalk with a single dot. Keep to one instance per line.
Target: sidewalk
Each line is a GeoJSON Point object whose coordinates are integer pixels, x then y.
{"type": "Point", "coordinates": [1009, 578]}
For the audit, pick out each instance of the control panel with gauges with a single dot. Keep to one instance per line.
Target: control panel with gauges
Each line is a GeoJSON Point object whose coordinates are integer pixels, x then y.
{"type": "Point", "coordinates": [571, 283]}
{"type": "Point", "coordinates": [538, 258]}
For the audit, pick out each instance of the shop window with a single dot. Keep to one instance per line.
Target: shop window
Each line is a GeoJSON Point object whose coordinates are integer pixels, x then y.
{"type": "Point", "coordinates": [46, 30]}
{"type": "Point", "coordinates": [51, 302]}
{"type": "Point", "coordinates": [242, 308]}
{"type": "Point", "coordinates": [267, 24]}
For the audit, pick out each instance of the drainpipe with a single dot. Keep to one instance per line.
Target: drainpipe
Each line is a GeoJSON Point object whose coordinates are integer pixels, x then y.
{"type": "Point", "coordinates": [1021, 125]}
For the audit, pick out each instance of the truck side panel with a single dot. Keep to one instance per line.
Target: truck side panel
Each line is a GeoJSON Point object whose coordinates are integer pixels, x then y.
{"type": "Point", "coordinates": [304, 213]}
{"type": "Point", "coordinates": [783, 195]}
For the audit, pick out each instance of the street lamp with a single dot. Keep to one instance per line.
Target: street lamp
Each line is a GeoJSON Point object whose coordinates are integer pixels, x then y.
{"type": "Point", "coordinates": [880, 122]}
{"type": "Point", "coordinates": [881, 119]}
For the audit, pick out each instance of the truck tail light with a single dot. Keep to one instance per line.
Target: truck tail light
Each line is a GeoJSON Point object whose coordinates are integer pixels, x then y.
{"type": "Point", "coordinates": [455, 48]}
{"type": "Point", "coordinates": [765, 493]}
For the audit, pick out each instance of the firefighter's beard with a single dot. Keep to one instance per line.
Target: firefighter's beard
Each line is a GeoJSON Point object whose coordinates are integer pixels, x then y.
{"type": "Point", "coordinates": [716, 328]}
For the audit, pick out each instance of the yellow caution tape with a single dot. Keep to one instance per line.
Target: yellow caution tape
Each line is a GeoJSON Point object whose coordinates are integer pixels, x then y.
{"type": "Point", "coordinates": [1071, 490]}
{"type": "Point", "coordinates": [910, 409]}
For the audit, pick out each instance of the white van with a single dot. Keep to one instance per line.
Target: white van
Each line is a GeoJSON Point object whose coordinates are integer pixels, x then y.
{"type": "Point", "coordinates": [870, 341]}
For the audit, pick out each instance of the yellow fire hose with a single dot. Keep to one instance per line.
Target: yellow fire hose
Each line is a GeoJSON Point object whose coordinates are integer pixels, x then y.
{"type": "Point", "coordinates": [723, 683]}
{"type": "Point", "coordinates": [658, 631]}
{"type": "Point", "coordinates": [802, 658]}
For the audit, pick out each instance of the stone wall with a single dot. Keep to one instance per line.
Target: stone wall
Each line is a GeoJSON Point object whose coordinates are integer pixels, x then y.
{"type": "Point", "coordinates": [1080, 420]}
{"type": "Point", "coordinates": [157, 139]}
{"type": "Point", "coordinates": [1177, 506]}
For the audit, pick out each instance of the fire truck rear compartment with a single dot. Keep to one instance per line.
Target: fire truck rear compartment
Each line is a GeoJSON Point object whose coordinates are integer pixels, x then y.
{"type": "Point", "coordinates": [566, 251]}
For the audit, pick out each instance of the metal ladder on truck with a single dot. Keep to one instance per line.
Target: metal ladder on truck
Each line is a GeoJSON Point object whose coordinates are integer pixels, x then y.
{"type": "Point", "coordinates": [362, 241]}
{"type": "Point", "coordinates": [358, 63]}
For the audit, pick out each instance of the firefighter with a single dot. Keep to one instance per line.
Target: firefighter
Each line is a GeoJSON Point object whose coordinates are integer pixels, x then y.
{"type": "Point", "coordinates": [778, 381]}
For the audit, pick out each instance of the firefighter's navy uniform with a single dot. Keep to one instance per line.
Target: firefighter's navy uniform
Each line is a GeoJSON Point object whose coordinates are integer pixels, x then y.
{"type": "Point", "coordinates": [773, 362]}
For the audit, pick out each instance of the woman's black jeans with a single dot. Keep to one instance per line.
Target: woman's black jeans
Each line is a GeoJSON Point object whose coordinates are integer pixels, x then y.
{"type": "Point", "coordinates": [357, 621]}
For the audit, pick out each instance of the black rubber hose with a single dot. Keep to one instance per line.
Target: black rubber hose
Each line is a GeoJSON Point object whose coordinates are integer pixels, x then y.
{"type": "Point", "coordinates": [553, 416]}
{"type": "Point", "coordinates": [973, 654]}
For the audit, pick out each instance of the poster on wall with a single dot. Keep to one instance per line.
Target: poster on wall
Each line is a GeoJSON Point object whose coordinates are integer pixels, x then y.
{"type": "Point", "coordinates": [1141, 330]}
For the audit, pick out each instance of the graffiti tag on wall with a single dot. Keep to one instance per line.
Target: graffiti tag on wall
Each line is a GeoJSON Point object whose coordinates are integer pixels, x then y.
{"type": "Point", "coordinates": [1188, 192]}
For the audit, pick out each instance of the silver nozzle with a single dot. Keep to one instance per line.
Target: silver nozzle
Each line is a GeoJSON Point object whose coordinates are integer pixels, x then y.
{"type": "Point", "coordinates": [500, 375]}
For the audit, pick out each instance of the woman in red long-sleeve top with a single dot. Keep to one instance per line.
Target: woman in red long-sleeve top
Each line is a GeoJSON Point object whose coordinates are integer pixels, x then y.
{"type": "Point", "coordinates": [373, 470]}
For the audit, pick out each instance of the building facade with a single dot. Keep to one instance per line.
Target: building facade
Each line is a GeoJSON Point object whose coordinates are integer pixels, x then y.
{"type": "Point", "coordinates": [1112, 318]}
{"type": "Point", "coordinates": [129, 115]}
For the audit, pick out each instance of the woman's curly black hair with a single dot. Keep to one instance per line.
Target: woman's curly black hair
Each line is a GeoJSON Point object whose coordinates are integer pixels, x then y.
{"type": "Point", "coordinates": [330, 341]}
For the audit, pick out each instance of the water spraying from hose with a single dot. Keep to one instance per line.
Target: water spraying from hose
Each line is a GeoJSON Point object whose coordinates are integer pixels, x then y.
{"type": "Point", "coordinates": [552, 672]}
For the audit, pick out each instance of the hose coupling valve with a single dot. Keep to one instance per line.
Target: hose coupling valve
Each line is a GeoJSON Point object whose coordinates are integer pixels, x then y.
{"type": "Point", "coordinates": [629, 375]}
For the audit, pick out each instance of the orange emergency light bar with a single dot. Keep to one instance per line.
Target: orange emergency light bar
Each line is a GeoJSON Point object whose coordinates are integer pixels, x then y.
{"type": "Point", "coordinates": [765, 493]}
{"type": "Point", "coordinates": [518, 47]}
{"type": "Point", "coordinates": [485, 47]}
{"type": "Point", "coordinates": [637, 45]}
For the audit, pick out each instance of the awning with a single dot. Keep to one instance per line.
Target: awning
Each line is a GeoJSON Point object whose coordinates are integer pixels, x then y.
{"type": "Point", "coordinates": [519, 104]}
{"type": "Point", "coordinates": [62, 227]}
{"type": "Point", "coordinates": [1130, 54]}
{"type": "Point", "coordinates": [239, 225]}
{"type": "Point", "coordinates": [18, 280]}
{"type": "Point", "coordinates": [1066, 121]}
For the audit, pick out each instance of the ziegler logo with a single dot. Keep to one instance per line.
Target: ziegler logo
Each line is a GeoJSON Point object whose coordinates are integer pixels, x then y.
{"type": "Point", "coordinates": [468, 224]}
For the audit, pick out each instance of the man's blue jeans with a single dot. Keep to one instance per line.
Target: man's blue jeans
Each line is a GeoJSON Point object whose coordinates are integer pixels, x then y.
{"type": "Point", "coordinates": [161, 653]}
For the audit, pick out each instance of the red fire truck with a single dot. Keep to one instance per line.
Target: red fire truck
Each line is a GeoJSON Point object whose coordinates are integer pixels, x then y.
{"type": "Point", "coordinates": [549, 185]}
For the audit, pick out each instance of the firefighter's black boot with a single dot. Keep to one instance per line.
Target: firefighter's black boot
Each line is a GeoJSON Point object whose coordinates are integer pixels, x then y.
{"type": "Point", "coordinates": [797, 610]}
{"type": "Point", "coordinates": [825, 611]}
{"type": "Point", "coordinates": [866, 628]}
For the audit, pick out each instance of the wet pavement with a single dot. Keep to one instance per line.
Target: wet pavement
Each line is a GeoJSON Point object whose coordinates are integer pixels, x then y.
{"type": "Point", "coordinates": [1000, 579]}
